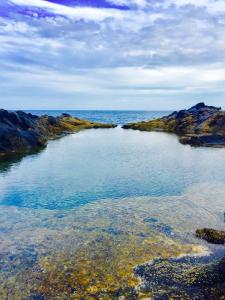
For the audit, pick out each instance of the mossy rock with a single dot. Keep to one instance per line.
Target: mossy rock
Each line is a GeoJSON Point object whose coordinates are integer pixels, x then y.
{"type": "Point", "coordinates": [200, 125]}
{"type": "Point", "coordinates": [211, 235]}
{"type": "Point", "coordinates": [22, 132]}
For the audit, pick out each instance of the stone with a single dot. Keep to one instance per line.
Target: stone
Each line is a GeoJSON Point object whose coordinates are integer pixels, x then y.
{"type": "Point", "coordinates": [22, 132]}
{"type": "Point", "coordinates": [200, 125]}
{"type": "Point", "coordinates": [211, 235]}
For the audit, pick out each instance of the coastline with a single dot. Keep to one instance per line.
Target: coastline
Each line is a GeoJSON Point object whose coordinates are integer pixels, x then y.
{"type": "Point", "coordinates": [98, 249]}
{"type": "Point", "coordinates": [21, 132]}
{"type": "Point", "coordinates": [199, 126]}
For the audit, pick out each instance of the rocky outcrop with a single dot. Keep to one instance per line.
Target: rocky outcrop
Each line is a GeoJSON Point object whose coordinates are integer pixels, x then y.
{"type": "Point", "coordinates": [200, 125]}
{"type": "Point", "coordinates": [22, 132]}
{"type": "Point", "coordinates": [211, 235]}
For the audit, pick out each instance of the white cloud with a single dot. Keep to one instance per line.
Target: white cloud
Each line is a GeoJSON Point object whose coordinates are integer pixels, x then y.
{"type": "Point", "coordinates": [212, 6]}
{"type": "Point", "coordinates": [156, 48]}
{"type": "Point", "coordinates": [138, 3]}
{"type": "Point", "coordinates": [87, 13]}
{"type": "Point", "coordinates": [20, 27]}
{"type": "Point", "coordinates": [162, 79]}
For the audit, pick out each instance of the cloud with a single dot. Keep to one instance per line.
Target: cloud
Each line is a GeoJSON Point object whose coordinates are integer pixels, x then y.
{"type": "Point", "coordinates": [153, 49]}
{"type": "Point", "coordinates": [127, 80]}
{"type": "Point", "coordinates": [87, 13]}
{"type": "Point", "coordinates": [211, 6]}
{"type": "Point", "coordinates": [137, 3]}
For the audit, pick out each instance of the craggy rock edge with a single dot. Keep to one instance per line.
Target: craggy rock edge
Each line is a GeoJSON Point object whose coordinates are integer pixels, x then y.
{"type": "Point", "coordinates": [22, 132]}
{"type": "Point", "coordinates": [200, 125]}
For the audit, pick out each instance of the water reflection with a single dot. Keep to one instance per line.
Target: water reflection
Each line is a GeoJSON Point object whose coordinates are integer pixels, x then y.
{"type": "Point", "coordinates": [107, 164]}
{"type": "Point", "coordinates": [9, 160]}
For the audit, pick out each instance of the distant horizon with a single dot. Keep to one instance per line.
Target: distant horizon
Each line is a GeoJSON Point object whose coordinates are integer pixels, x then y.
{"type": "Point", "coordinates": [116, 109]}
{"type": "Point", "coordinates": [96, 110]}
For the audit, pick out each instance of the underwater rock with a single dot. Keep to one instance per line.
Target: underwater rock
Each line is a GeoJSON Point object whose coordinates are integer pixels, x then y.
{"type": "Point", "coordinates": [200, 125]}
{"type": "Point", "coordinates": [211, 235]}
{"type": "Point", "coordinates": [22, 132]}
{"type": "Point", "coordinates": [183, 278]}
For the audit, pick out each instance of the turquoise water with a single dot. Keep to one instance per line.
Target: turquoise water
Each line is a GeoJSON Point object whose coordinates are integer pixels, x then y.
{"type": "Point", "coordinates": [107, 164]}
{"type": "Point", "coordinates": [78, 216]}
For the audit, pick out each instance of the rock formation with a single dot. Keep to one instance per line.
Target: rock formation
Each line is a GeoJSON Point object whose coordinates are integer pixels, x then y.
{"type": "Point", "coordinates": [22, 132]}
{"type": "Point", "coordinates": [200, 125]}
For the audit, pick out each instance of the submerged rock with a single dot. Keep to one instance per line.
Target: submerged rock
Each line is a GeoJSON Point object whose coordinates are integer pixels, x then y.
{"type": "Point", "coordinates": [23, 132]}
{"type": "Point", "coordinates": [200, 125]}
{"type": "Point", "coordinates": [183, 279]}
{"type": "Point", "coordinates": [211, 235]}
{"type": "Point", "coordinates": [187, 277]}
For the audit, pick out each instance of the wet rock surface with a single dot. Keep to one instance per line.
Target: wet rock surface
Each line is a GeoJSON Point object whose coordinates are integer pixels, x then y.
{"type": "Point", "coordinates": [23, 132]}
{"type": "Point", "coordinates": [211, 235]}
{"type": "Point", "coordinates": [200, 125]}
{"type": "Point", "coordinates": [184, 278]}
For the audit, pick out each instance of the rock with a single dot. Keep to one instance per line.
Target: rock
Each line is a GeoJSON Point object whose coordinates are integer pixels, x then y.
{"type": "Point", "coordinates": [183, 278]}
{"type": "Point", "coordinates": [22, 132]}
{"type": "Point", "coordinates": [64, 115]}
{"type": "Point", "coordinates": [200, 125]}
{"type": "Point", "coordinates": [207, 140]}
{"type": "Point", "coordinates": [211, 235]}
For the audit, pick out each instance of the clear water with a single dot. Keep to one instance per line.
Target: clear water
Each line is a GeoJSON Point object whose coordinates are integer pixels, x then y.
{"type": "Point", "coordinates": [107, 164]}
{"type": "Point", "coordinates": [77, 217]}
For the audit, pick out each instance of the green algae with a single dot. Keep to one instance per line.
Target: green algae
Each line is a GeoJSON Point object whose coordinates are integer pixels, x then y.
{"type": "Point", "coordinates": [104, 267]}
{"type": "Point", "coordinates": [101, 268]}
{"type": "Point", "coordinates": [92, 252]}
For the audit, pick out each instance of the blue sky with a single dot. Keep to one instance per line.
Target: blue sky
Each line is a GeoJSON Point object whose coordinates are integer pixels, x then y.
{"type": "Point", "coordinates": [111, 54]}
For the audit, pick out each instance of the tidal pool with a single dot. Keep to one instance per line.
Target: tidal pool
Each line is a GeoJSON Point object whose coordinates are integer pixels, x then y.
{"type": "Point", "coordinates": [77, 217]}
{"type": "Point", "coordinates": [107, 164]}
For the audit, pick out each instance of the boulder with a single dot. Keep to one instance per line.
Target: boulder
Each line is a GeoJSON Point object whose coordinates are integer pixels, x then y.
{"type": "Point", "coordinates": [211, 235]}
{"type": "Point", "coordinates": [22, 132]}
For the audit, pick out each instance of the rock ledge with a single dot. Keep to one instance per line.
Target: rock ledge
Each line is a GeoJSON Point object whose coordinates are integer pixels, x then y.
{"type": "Point", "coordinates": [22, 132]}
{"type": "Point", "coordinates": [200, 125]}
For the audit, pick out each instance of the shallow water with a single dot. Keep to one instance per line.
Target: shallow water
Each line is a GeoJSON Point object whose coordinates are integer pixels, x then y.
{"type": "Point", "coordinates": [77, 217]}
{"type": "Point", "coordinates": [108, 164]}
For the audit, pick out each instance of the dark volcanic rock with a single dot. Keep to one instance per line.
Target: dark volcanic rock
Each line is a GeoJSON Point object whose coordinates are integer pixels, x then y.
{"type": "Point", "coordinates": [207, 140]}
{"type": "Point", "coordinates": [19, 132]}
{"type": "Point", "coordinates": [183, 279]}
{"type": "Point", "coordinates": [211, 235]}
{"type": "Point", "coordinates": [22, 132]}
{"type": "Point", "coordinates": [200, 125]}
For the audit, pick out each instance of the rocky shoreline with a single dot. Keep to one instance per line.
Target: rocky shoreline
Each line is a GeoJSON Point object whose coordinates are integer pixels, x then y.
{"type": "Point", "coordinates": [22, 132]}
{"type": "Point", "coordinates": [200, 125]}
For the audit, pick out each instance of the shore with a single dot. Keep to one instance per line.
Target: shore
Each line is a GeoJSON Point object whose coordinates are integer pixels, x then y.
{"type": "Point", "coordinates": [22, 133]}
{"type": "Point", "coordinates": [200, 125]}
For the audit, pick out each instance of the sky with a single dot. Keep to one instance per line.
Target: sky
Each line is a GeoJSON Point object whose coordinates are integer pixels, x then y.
{"type": "Point", "coordinates": [111, 54]}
